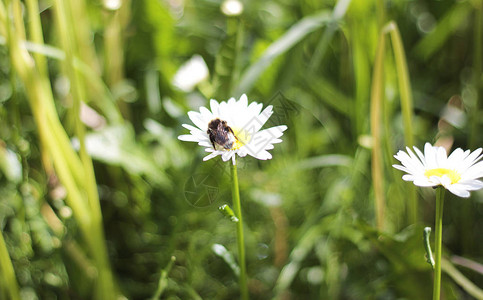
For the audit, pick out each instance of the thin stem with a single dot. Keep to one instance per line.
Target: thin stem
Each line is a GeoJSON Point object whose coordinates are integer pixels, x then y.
{"type": "Point", "coordinates": [438, 237]}
{"type": "Point", "coordinates": [239, 233]}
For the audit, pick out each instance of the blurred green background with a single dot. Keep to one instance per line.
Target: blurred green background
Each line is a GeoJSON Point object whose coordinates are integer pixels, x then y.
{"type": "Point", "coordinates": [96, 79]}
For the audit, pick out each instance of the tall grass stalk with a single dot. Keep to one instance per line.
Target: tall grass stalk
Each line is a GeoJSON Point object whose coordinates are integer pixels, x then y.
{"type": "Point", "coordinates": [78, 96]}
{"type": "Point", "coordinates": [406, 107]}
{"type": "Point", "coordinates": [116, 22]}
{"type": "Point", "coordinates": [7, 272]}
{"type": "Point", "coordinates": [63, 9]}
{"type": "Point", "coordinates": [381, 13]}
{"type": "Point", "coordinates": [35, 29]}
{"type": "Point", "coordinates": [377, 96]}
{"type": "Point", "coordinates": [82, 33]}
{"type": "Point", "coordinates": [113, 48]}
{"type": "Point", "coordinates": [403, 81]}
{"type": "Point", "coordinates": [377, 104]}
{"type": "Point", "coordinates": [74, 170]}
{"type": "Point", "coordinates": [362, 72]}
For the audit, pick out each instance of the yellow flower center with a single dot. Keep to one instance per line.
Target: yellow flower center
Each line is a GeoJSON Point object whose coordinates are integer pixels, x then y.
{"type": "Point", "coordinates": [236, 145]}
{"type": "Point", "coordinates": [440, 172]}
{"type": "Point", "coordinates": [242, 138]}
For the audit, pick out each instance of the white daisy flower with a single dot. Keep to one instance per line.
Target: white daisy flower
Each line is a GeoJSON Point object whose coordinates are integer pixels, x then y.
{"type": "Point", "coordinates": [191, 73]}
{"type": "Point", "coordinates": [458, 172]}
{"type": "Point", "coordinates": [233, 127]}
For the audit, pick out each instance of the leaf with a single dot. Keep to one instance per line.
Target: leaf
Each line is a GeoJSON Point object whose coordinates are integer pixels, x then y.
{"type": "Point", "coordinates": [297, 256]}
{"type": "Point", "coordinates": [227, 256]}
{"type": "Point", "coordinates": [116, 145]}
{"type": "Point", "coordinates": [405, 249]}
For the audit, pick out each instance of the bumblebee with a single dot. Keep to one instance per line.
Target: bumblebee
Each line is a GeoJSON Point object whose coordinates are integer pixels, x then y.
{"type": "Point", "coordinates": [221, 135]}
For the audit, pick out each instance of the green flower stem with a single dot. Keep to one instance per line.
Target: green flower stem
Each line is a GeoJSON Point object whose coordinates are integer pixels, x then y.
{"type": "Point", "coordinates": [239, 234]}
{"type": "Point", "coordinates": [6, 269]}
{"type": "Point", "coordinates": [438, 237]}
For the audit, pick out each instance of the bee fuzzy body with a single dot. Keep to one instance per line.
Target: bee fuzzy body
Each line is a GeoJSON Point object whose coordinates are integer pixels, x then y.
{"type": "Point", "coordinates": [221, 135]}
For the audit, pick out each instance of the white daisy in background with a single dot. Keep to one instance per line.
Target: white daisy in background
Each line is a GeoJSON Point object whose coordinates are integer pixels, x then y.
{"type": "Point", "coordinates": [191, 73]}
{"type": "Point", "coordinates": [233, 127]}
{"type": "Point", "coordinates": [458, 172]}
{"type": "Point", "coordinates": [232, 7]}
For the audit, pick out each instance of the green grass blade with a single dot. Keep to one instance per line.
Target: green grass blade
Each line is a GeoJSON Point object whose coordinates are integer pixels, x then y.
{"type": "Point", "coordinates": [331, 95]}
{"type": "Point", "coordinates": [461, 280]}
{"type": "Point", "coordinates": [477, 69]}
{"type": "Point", "coordinates": [362, 81]}
{"type": "Point", "coordinates": [405, 93]}
{"type": "Point", "coordinates": [450, 22]}
{"type": "Point", "coordinates": [35, 29]}
{"type": "Point", "coordinates": [227, 66]}
{"type": "Point", "coordinates": [338, 13]}
{"type": "Point", "coordinates": [294, 35]}
{"type": "Point", "coordinates": [7, 271]}
{"type": "Point", "coordinates": [377, 99]}
{"type": "Point", "coordinates": [163, 279]}
{"type": "Point", "coordinates": [403, 81]}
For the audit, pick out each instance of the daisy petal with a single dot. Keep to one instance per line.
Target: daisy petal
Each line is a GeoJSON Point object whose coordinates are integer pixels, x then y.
{"type": "Point", "coordinates": [458, 191]}
{"type": "Point", "coordinates": [188, 138]}
{"type": "Point", "coordinates": [198, 120]}
{"type": "Point", "coordinates": [210, 156]}
{"type": "Point", "coordinates": [215, 108]}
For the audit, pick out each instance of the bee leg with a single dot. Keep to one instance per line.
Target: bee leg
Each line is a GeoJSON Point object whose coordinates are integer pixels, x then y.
{"type": "Point", "coordinates": [212, 138]}
{"type": "Point", "coordinates": [231, 130]}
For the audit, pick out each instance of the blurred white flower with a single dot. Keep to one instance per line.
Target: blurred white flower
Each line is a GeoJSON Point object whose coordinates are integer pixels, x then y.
{"type": "Point", "coordinates": [458, 172]}
{"type": "Point", "coordinates": [91, 118]}
{"type": "Point", "coordinates": [112, 4]}
{"type": "Point", "coordinates": [232, 7]}
{"type": "Point", "coordinates": [233, 127]}
{"type": "Point", "coordinates": [191, 73]}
